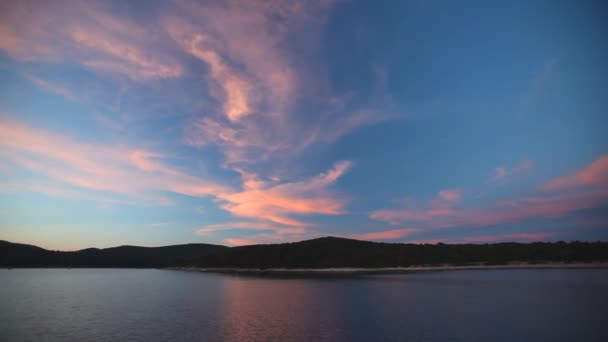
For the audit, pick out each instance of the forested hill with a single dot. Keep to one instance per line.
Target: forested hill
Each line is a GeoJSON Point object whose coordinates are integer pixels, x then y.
{"type": "Point", "coordinates": [317, 253]}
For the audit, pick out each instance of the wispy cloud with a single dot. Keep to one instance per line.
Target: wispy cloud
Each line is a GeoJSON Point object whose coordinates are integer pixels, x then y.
{"type": "Point", "coordinates": [114, 169]}
{"type": "Point", "coordinates": [553, 204]}
{"type": "Point", "coordinates": [61, 191]}
{"type": "Point", "coordinates": [275, 202]}
{"type": "Point", "coordinates": [262, 226]}
{"type": "Point", "coordinates": [258, 82]}
{"type": "Point", "coordinates": [266, 232]}
{"type": "Point", "coordinates": [271, 205]}
{"type": "Point", "coordinates": [503, 172]}
{"type": "Point", "coordinates": [240, 241]}
{"type": "Point", "coordinates": [595, 174]}
{"type": "Point", "coordinates": [253, 78]}
{"type": "Point", "coordinates": [240, 41]}
{"type": "Point", "coordinates": [270, 237]}
{"type": "Point", "coordinates": [254, 103]}
{"type": "Point", "coordinates": [50, 31]}
{"type": "Point", "coordinates": [52, 87]}
{"type": "Point", "coordinates": [450, 195]}
{"type": "Point", "coordinates": [441, 206]}
{"type": "Point", "coordinates": [506, 212]}
{"type": "Point", "coordinates": [142, 175]}
{"type": "Point", "coordinates": [235, 91]}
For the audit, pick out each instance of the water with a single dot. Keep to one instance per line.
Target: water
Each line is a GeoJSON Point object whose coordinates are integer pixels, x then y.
{"type": "Point", "coordinates": [162, 305]}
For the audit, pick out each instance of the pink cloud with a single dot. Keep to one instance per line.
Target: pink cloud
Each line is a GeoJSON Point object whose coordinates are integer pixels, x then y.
{"type": "Point", "coordinates": [398, 216]}
{"type": "Point", "coordinates": [235, 88]}
{"type": "Point", "coordinates": [240, 241]}
{"type": "Point", "coordinates": [385, 235]}
{"type": "Point", "coordinates": [52, 87]}
{"type": "Point", "coordinates": [250, 33]}
{"type": "Point", "coordinates": [240, 42]}
{"type": "Point", "coordinates": [250, 73]}
{"type": "Point", "coordinates": [594, 174]}
{"type": "Point", "coordinates": [262, 226]}
{"type": "Point", "coordinates": [239, 49]}
{"type": "Point", "coordinates": [544, 206]}
{"type": "Point", "coordinates": [271, 237]}
{"type": "Point", "coordinates": [274, 202]}
{"type": "Point", "coordinates": [255, 79]}
{"type": "Point", "coordinates": [444, 214]}
{"type": "Point", "coordinates": [97, 40]}
{"type": "Point", "coordinates": [269, 232]}
{"type": "Point", "coordinates": [114, 169]}
{"type": "Point", "coordinates": [513, 211]}
{"type": "Point", "coordinates": [441, 206]}
{"type": "Point", "coordinates": [450, 195]}
{"type": "Point", "coordinates": [141, 174]}
{"type": "Point", "coordinates": [58, 191]}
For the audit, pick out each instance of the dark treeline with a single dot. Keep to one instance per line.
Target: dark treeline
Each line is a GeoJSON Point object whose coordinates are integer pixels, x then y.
{"type": "Point", "coordinates": [317, 253]}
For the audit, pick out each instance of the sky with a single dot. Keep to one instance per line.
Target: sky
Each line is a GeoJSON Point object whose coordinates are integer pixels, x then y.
{"type": "Point", "coordinates": [239, 122]}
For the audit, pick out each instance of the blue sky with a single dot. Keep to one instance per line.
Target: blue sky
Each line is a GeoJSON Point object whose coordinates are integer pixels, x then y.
{"type": "Point", "coordinates": [240, 122]}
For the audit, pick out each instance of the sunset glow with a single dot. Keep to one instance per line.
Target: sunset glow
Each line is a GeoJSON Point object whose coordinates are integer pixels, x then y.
{"type": "Point", "coordinates": [243, 121]}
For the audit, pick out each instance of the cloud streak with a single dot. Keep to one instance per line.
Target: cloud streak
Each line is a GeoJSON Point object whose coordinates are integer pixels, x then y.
{"type": "Point", "coordinates": [441, 213]}
{"type": "Point", "coordinates": [85, 34]}
{"type": "Point", "coordinates": [441, 206]}
{"type": "Point", "coordinates": [141, 174]}
{"type": "Point", "coordinates": [385, 235]}
{"type": "Point", "coordinates": [239, 49]}
{"type": "Point", "coordinates": [262, 226]}
{"type": "Point", "coordinates": [257, 81]}
{"type": "Point", "coordinates": [503, 172]}
{"type": "Point", "coordinates": [275, 202]}
{"type": "Point", "coordinates": [595, 174]}
{"type": "Point", "coordinates": [115, 169]}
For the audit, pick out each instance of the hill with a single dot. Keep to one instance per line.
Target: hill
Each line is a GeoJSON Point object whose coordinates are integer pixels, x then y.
{"type": "Point", "coordinates": [317, 253]}
{"type": "Point", "coordinates": [18, 255]}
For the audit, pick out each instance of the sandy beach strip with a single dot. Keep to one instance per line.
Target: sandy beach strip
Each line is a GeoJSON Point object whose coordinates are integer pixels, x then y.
{"type": "Point", "coordinates": [379, 270]}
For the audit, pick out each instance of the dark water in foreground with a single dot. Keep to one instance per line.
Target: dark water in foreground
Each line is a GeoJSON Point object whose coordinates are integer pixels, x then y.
{"type": "Point", "coordinates": [159, 305]}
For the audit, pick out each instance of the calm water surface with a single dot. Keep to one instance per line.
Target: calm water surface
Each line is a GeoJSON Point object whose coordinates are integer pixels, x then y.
{"type": "Point", "coordinates": [162, 305]}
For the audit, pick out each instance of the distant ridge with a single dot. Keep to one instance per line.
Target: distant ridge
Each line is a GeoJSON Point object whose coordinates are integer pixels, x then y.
{"type": "Point", "coordinates": [326, 252]}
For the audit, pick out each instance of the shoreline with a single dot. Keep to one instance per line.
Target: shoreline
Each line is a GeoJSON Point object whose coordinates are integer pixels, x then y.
{"type": "Point", "coordinates": [386, 270]}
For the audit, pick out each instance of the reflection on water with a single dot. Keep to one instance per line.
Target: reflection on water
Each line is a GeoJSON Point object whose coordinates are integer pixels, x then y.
{"type": "Point", "coordinates": [281, 308]}
{"type": "Point", "coordinates": [158, 305]}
